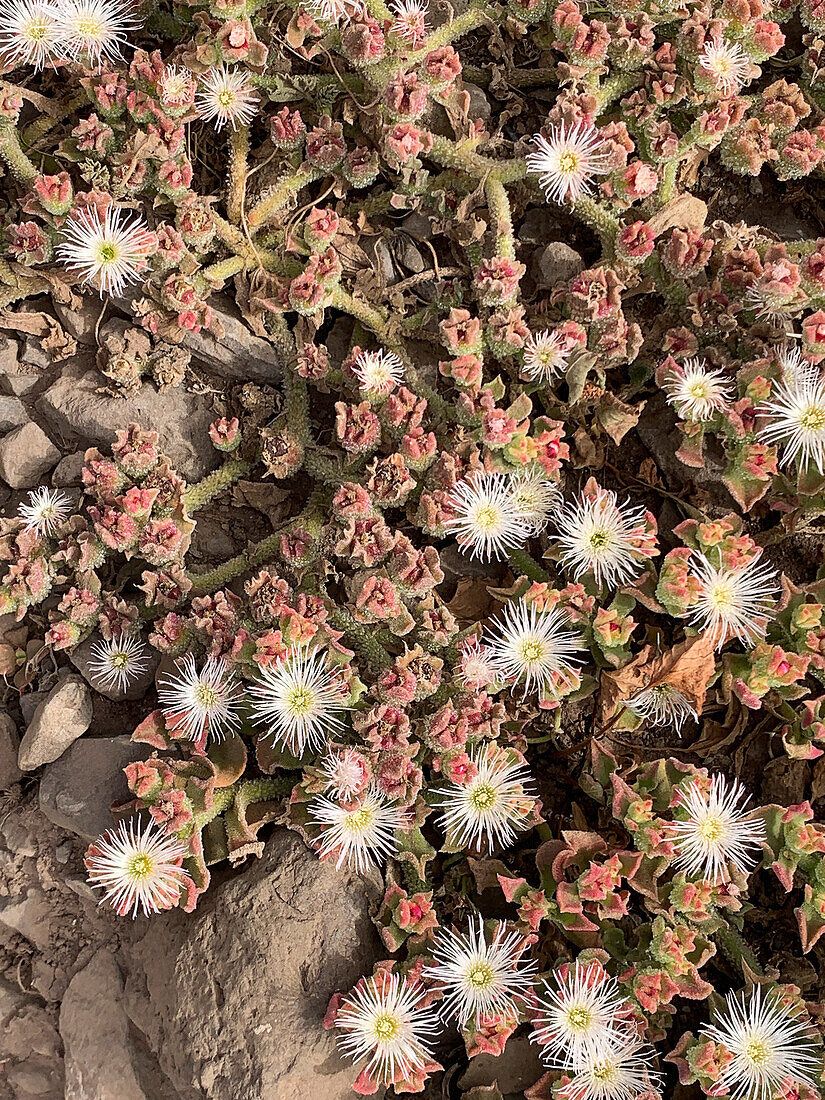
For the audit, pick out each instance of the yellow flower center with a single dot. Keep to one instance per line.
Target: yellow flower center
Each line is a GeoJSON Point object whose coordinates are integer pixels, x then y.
{"type": "Point", "coordinates": [568, 163]}
{"type": "Point", "coordinates": [300, 700]}
{"type": "Point", "coordinates": [120, 660]}
{"type": "Point", "coordinates": [604, 1072]}
{"type": "Point", "coordinates": [721, 594]}
{"type": "Point", "coordinates": [532, 650]}
{"type": "Point", "coordinates": [483, 797]}
{"type": "Point", "coordinates": [359, 820]}
{"type": "Point", "coordinates": [699, 389]}
{"type": "Point", "coordinates": [812, 419]}
{"type": "Point", "coordinates": [599, 540]}
{"type": "Point", "coordinates": [579, 1018]}
{"type": "Point", "coordinates": [481, 975]}
{"type": "Point", "coordinates": [226, 98]}
{"type": "Point", "coordinates": [89, 28]}
{"type": "Point", "coordinates": [386, 1028]}
{"type": "Point", "coordinates": [487, 518]}
{"type": "Point", "coordinates": [711, 829]}
{"type": "Point", "coordinates": [140, 866]}
{"type": "Point", "coordinates": [756, 1051]}
{"type": "Point", "coordinates": [107, 252]}
{"type": "Point", "coordinates": [206, 696]}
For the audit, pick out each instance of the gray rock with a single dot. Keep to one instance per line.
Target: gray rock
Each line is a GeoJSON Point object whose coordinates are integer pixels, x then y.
{"type": "Point", "coordinates": [67, 471]}
{"type": "Point", "coordinates": [29, 704]}
{"type": "Point", "coordinates": [417, 226]}
{"type": "Point", "coordinates": [12, 413]}
{"type": "Point", "coordinates": [479, 103]}
{"type": "Point", "coordinates": [81, 658]}
{"type": "Point", "coordinates": [9, 747]}
{"type": "Point", "coordinates": [8, 353]}
{"type": "Point", "coordinates": [26, 453]}
{"type": "Point", "coordinates": [409, 255]}
{"type": "Point", "coordinates": [555, 264]}
{"type": "Point", "coordinates": [29, 915]}
{"type": "Point", "coordinates": [80, 323]}
{"type": "Point", "coordinates": [100, 1060]}
{"type": "Point", "coordinates": [240, 354]}
{"type": "Point", "coordinates": [77, 791]}
{"type": "Point", "coordinates": [33, 354]}
{"type": "Point", "coordinates": [19, 384]}
{"type": "Point", "coordinates": [515, 1070]}
{"type": "Point", "coordinates": [81, 415]}
{"type": "Point", "coordinates": [63, 716]}
{"type": "Point", "coordinates": [250, 1025]}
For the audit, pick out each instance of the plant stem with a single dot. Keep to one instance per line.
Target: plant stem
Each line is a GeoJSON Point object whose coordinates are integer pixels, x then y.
{"type": "Point", "coordinates": [196, 496]}
{"type": "Point", "coordinates": [238, 153]}
{"type": "Point", "coordinates": [364, 643]}
{"type": "Point", "coordinates": [279, 195]}
{"type": "Point", "coordinates": [12, 154]}
{"type": "Point", "coordinates": [524, 565]}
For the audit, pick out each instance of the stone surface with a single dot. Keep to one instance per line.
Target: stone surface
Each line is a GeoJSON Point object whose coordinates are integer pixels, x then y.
{"type": "Point", "coordinates": [26, 453]}
{"type": "Point", "coordinates": [555, 264]}
{"type": "Point", "coordinates": [9, 747]}
{"type": "Point", "coordinates": [81, 323]}
{"type": "Point", "coordinates": [63, 716]}
{"type": "Point", "coordinates": [78, 413]}
{"type": "Point", "coordinates": [12, 413]}
{"type": "Point", "coordinates": [516, 1069]}
{"type": "Point", "coordinates": [280, 938]}
{"type": "Point", "coordinates": [81, 658]}
{"type": "Point", "coordinates": [240, 354]}
{"type": "Point", "coordinates": [77, 791]}
{"type": "Point", "coordinates": [100, 1060]}
{"type": "Point", "coordinates": [33, 353]}
{"type": "Point", "coordinates": [67, 471]}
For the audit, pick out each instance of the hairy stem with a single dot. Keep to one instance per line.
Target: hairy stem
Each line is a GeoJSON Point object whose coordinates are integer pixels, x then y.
{"type": "Point", "coordinates": [13, 156]}
{"type": "Point", "coordinates": [525, 565]}
{"type": "Point", "coordinates": [196, 496]}
{"type": "Point", "coordinates": [238, 153]}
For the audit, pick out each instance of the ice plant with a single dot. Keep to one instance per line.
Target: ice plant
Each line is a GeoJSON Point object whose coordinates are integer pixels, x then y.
{"type": "Point", "coordinates": [795, 414]}
{"type": "Point", "coordinates": [535, 497]}
{"type": "Point", "coordinates": [662, 705]}
{"type": "Point", "coordinates": [624, 1073]}
{"type": "Point", "coordinates": [109, 252]}
{"type": "Point", "coordinates": [476, 666]}
{"type": "Point", "coordinates": [531, 647]}
{"type": "Point", "coordinates": [378, 372]}
{"type": "Point", "coordinates": [345, 772]}
{"type": "Point", "coordinates": [795, 367]}
{"type": "Point", "coordinates": [29, 33]}
{"type": "Point", "coordinates": [117, 662]}
{"type": "Point", "coordinates": [567, 161]}
{"type": "Point", "coordinates": [360, 835]}
{"type": "Point", "coordinates": [137, 869]}
{"type": "Point", "coordinates": [297, 701]}
{"type": "Point", "coordinates": [493, 806]}
{"type": "Point", "coordinates": [94, 29]}
{"type": "Point", "coordinates": [385, 1022]}
{"type": "Point", "coordinates": [486, 518]}
{"type": "Point", "coordinates": [733, 602]}
{"type": "Point", "coordinates": [696, 391]}
{"type": "Point", "coordinates": [480, 978]}
{"type": "Point", "coordinates": [201, 704]}
{"type": "Point", "coordinates": [599, 536]}
{"type": "Point", "coordinates": [579, 1019]}
{"type": "Point", "coordinates": [226, 95]}
{"type": "Point", "coordinates": [772, 1047]}
{"type": "Point", "coordinates": [545, 356]}
{"type": "Point", "coordinates": [44, 511]}
{"type": "Point", "coordinates": [725, 63]}
{"type": "Point", "coordinates": [410, 20]}
{"type": "Point", "coordinates": [716, 830]}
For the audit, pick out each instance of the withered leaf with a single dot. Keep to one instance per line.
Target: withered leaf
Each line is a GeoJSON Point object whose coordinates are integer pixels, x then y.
{"type": "Point", "coordinates": [687, 667]}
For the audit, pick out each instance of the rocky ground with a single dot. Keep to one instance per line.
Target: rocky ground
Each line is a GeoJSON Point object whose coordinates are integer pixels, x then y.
{"type": "Point", "coordinates": [224, 1003]}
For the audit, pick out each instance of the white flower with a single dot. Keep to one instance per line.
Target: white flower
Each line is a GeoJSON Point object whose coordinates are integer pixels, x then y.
{"type": "Point", "coordinates": [795, 367]}
{"type": "Point", "coordinates": [771, 1044]}
{"type": "Point", "coordinates": [362, 835]}
{"type": "Point", "coordinates": [532, 648]}
{"type": "Point", "coordinates": [624, 1073]}
{"type": "Point", "coordinates": [580, 1019]}
{"type": "Point", "coordinates": [346, 773]}
{"type": "Point", "coordinates": [94, 29]}
{"type": "Point", "coordinates": [45, 510]}
{"type": "Point", "coordinates": [545, 355]}
{"type": "Point", "coordinates": [410, 20]}
{"type": "Point", "coordinates": [733, 601]}
{"type": "Point", "coordinates": [536, 497]}
{"type": "Point", "coordinates": [486, 520]}
{"type": "Point", "coordinates": [385, 1023]}
{"type": "Point", "coordinates": [476, 667]}
{"type": "Point", "coordinates": [768, 306]}
{"type": "Point", "coordinates": [339, 12]}
{"type": "Point", "coordinates": [298, 700]}
{"type": "Point", "coordinates": [226, 96]}
{"type": "Point", "coordinates": [726, 63]}
{"type": "Point", "coordinates": [492, 806]}
{"type": "Point", "coordinates": [378, 372]}
{"type": "Point", "coordinates": [599, 536]}
{"type": "Point", "coordinates": [29, 34]}
{"type": "Point", "coordinates": [796, 418]}
{"type": "Point", "coordinates": [137, 869]}
{"type": "Point", "coordinates": [109, 253]}
{"type": "Point", "coordinates": [697, 392]}
{"type": "Point", "coordinates": [480, 979]}
{"type": "Point", "coordinates": [175, 87]}
{"type": "Point", "coordinates": [115, 664]}
{"type": "Point", "coordinates": [662, 705]}
{"type": "Point", "coordinates": [201, 704]}
{"type": "Point", "coordinates": [567, 161]}
{"type": "Point", "coordinates": [717, 831]}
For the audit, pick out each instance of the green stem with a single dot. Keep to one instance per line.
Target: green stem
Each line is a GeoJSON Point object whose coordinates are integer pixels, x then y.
{"type": "Point", "coordinates": [499, 206]}
{"type": "Point", "coordinates": [222, 799]}
{"type": "Point", "coordinates": [238, 153]}
{"type": "Point", "coordinates": [668, 184]}
{"type": "Point", "coordinates": [524, 565]}
{"type": "Point", "coordinates": [218, 577]}
{"type": "Point", "coordinates": [12, 154]}
{"type": "Point", "coordinates": [452, 155]}
{"type": "Point", "coordinates": [735, 949]}
{"type": "Point", "coordinates": [196, 496]}
{"type": "Point", "coordinates": [367, 648]}
{"type": "Point", "coordinates": [599, 218]}
{"type": "Point", "coordinates": [280, 194]}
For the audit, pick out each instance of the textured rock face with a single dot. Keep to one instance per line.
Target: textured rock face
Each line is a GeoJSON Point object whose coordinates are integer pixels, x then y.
{"type": "Point", "coordinates": [60, 719]}
{"type": "Point", "coordinates": [75, 409]}
{"type": "Point", "coordinates": [77, 791]}
{"type": "Point", "coordinates": [25, 455]}
{"type": "Point", "coordinates": [232, 997]}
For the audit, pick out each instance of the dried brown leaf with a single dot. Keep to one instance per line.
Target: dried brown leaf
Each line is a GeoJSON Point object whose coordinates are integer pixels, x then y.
{"type": "Point", "coordinates": [686, 667]}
